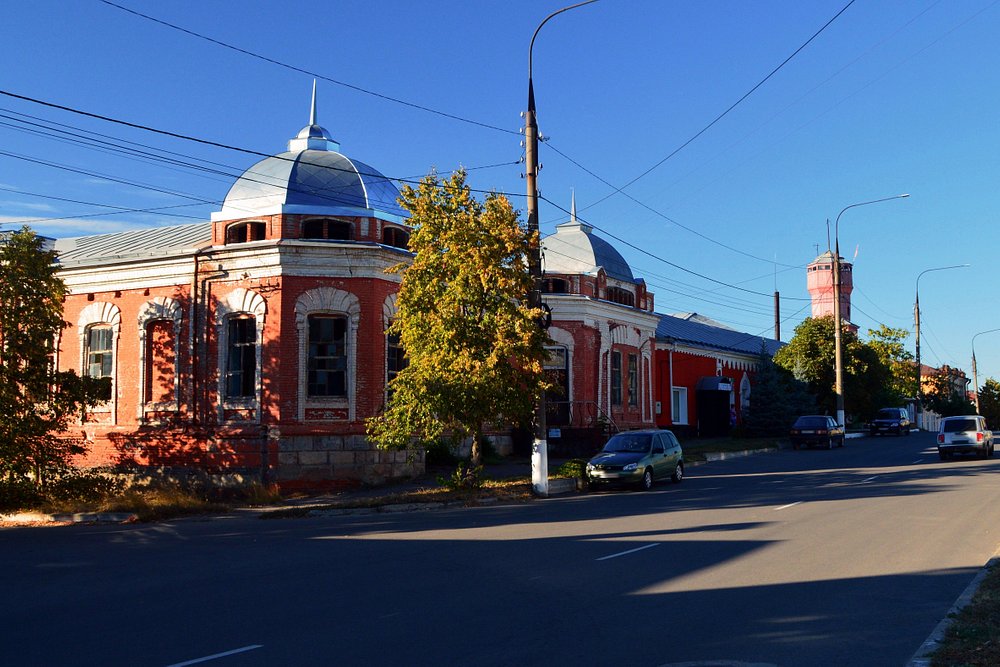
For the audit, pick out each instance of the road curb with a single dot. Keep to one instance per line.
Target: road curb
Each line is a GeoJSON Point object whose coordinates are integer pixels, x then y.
{"type": "Point", "coordinates": [31, 518]}
{"type": "Point", "coordinates": [922, 657]}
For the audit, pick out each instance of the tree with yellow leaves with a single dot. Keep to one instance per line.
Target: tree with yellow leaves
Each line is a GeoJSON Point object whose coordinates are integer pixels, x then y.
{"type": "Point", "coordinates": [474, 346]}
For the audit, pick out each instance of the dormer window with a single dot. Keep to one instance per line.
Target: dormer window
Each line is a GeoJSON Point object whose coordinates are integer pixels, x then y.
{"type": "Point", "coordinates": [396, 237]}
{"type": "Point", "coordinates": [243, 232]}
{"type": "Point", "coordinates": [325, 228]}
{"type": "Point", "coordinates": [554, 286]}
{"type": "Point", "coordinates": [622, 296]}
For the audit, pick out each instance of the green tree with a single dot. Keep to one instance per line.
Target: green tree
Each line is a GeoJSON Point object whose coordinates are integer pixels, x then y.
{"type": "Point", "coordinates": [887, 343]}
{"type": "Point", "coordinates": [37, 402]}
{"type": "Point", "coordinates": [946, 394]}
{"type": "Point", "coordinates": [989, 402]}
{"type": "Point", "coordinates": [810, 358]}
{"type": "Point", "coordinates": [474, 347]}
{"type": "Point", "coordinates": [776, 398]}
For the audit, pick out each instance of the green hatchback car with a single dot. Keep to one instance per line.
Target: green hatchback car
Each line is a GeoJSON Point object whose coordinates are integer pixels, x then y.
{"type": "Point", "coordinates": [637, 457]}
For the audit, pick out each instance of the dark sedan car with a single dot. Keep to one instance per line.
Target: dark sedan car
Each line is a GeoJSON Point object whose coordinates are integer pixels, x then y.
{"type": "Point", "coordinates": [816, 430]}
{"type": "Point", "coordinates": [890, 420]}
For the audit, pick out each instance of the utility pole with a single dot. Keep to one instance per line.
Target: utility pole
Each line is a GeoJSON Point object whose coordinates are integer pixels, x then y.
{"type": "Point", "coordinates": [540, 446]}
{"type": "Point", "coordinates": [777, 316]}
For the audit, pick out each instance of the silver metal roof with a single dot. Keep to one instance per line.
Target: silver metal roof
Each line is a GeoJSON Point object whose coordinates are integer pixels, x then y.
{"type": "Point", "coordinates": [152, 242]}
{"type": "Point", "coordinates": [575, 249]}
{"type": "Point", "coordinates": [312, 177]}
{"type": "Point", "coordinates": [312, 182]}
{"type": "Point", "coordinates": [695, 332]}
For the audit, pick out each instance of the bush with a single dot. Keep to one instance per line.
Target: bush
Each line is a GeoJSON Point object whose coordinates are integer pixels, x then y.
{"type": "Point", "coordinates": [464, 477]}
{"type": "Point", "coordinates": [83, 486]}
{"type": "Point", "coordinates": [440, 453]}
{"type": "Point", "coordinates": [573, 469]}
{"type": "Point", "coordinates": [18, 494]}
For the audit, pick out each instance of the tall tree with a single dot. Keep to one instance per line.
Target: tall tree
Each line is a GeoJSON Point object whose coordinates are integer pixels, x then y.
{"type": "Point", "coordinates": [810, 358]}
{"type": "Point", "coordinates": [887, 343]}
{"type": "Point", "coordinates": [946, 394]}
{"type": "Point", "coordinates": [989, 403]}
{"type": "Point", "coordinates": [475, 348]}
{"type": "Point", "coordinates": [776, 398]}
{"type": "Point", "coordinates": [37, 402]}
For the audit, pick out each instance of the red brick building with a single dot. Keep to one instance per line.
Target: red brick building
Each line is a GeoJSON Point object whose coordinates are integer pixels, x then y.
{"type": "Point", "coordinates": [603, 332]}
{"type": "Point", "coordinates": [704, 374]}
{"type": "Point", "coordinates": [253, 346]}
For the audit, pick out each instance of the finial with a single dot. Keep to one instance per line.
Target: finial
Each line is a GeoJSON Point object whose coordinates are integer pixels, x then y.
{"type": "Point", "coordinates": [312, 112]}
{"type": "Point", "coordinates": [572, 207]}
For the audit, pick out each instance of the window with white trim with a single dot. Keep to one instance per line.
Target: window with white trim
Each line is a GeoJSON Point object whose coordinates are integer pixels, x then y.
{"type": "Point", "coordinates": [327, 361]}
{"type": "Point", "coordinates": [679, 405]}
{"type": "Point", "coordinates": [241, 357]}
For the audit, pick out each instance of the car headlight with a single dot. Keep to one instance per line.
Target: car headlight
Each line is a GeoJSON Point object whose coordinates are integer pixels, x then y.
{"type": "Point", "coordinates": [590, 466]}
{"type": "Point", "coordinates": [630, 467]}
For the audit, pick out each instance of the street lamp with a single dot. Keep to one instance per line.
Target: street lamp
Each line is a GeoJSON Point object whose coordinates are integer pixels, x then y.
{"type": "Point", "coordinates": [540, 446]}
{"type": "Point", "coordinates": [975, 377]}
{"type": "Point", "coordinates": [916, 334]}
{"type": "Point", "coordinates": [838, 354]}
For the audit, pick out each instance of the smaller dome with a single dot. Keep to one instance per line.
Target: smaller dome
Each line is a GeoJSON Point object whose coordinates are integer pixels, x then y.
{"type": "Point", "coordinates": [575, 249]}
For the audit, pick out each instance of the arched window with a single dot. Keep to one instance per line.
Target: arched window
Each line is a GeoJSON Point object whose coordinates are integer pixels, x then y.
{"type": "Point", "coordinates": [241, 357]}
{"type": "Point", "coordinates": [622, 296]}
{"type": "Point", "coordinates": [243, 232]}
{"type": "Point", "coordinates": [326, 228]}
{"type": "Point", "coordinates": [554, 286]}
{"type": "Point", "coordinates": [327, 360]}
{"type": "Point", "coordinates": [396, 237]}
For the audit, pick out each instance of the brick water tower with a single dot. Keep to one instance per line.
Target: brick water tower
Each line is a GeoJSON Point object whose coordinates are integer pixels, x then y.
{"type": "Point", "coordinates": [819, 280]}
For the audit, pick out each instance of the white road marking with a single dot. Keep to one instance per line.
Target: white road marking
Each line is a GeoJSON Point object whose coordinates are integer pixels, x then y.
{"type": "Point", "coordinates": [869, 479]}
{"type": "Point", "coordinates": [630, 551]}
{"type": "Point", "coordinates": [784, 507]}
{"type": "Point", "coordinates": [917, 461]}
{"type": "Point", "coordinates": [217, 655]}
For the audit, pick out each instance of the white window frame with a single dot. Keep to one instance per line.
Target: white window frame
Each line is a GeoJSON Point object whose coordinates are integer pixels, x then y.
{"type": "Point", "coordinates": [328, 301]}
{"type": "Point", "coordinates": [679, 403]}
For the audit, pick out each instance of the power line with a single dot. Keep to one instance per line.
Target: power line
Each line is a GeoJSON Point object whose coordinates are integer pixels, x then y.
{"type": "Point", "coordinates": [302, 70]}
{"type": "Point", "coordinates": [726, 112]}
{"type": "Point", "coordinates": [668, 262]}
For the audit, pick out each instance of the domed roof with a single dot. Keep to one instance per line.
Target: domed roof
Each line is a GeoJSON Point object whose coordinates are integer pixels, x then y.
{"type": "Point", "coordinates": [575, 249]}
{"type": "Point", "coordinates": [312, 177]}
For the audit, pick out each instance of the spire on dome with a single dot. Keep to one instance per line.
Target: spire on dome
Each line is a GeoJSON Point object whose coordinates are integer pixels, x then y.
{"type": "Point", "coordinates": [573, 222]}
{"type": "Point", "coordinates": [313, 137]}
{"type": "Point", "coordinates": [312, 111]}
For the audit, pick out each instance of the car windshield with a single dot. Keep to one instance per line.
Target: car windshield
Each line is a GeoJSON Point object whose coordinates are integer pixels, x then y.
{"type": "Point", "coordinates": [628, 443]}
{"type": "Point", "coordinates": [810, 422]}
{"type": "Point", "coordinates": [888, 413]}
{"type": "Point", "coordinates": [958, 425]}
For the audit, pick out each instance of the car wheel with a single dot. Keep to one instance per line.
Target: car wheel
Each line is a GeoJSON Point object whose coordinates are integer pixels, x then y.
{"type": "Point", "coordinates": [647, 480]}
{"type": "Point", "coordinates": [944, 456]}
{"type": "Point", "coordinates": [678, 473]}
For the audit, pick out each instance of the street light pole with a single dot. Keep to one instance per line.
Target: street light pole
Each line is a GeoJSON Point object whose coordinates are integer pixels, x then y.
{"type": "Point", "coordinates": [975, 377]}
{"type": "Point", "coordinates": [838, 354]}
{"type": "Point", "coordinates": [916, 335]}
{"type": "Point", "coordinates": [540, 446]}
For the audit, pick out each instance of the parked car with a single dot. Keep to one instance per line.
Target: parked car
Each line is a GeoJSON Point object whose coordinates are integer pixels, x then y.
{"type": "Point", "coordinates": [637, 457]}
{"type": "Point", "coordinates": [818, 430]}
{"type": "Point", "coordinates": [890, 420]}
{"type": "Point", "coordinates": [964, 435]}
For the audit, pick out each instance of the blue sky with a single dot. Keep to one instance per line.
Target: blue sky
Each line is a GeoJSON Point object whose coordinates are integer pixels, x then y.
{"type": "Point", "coordinates": [892, 97]}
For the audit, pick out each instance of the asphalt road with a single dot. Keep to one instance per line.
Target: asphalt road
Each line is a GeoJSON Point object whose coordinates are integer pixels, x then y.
{"type": "Point", "coordinates": [814, 557]}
